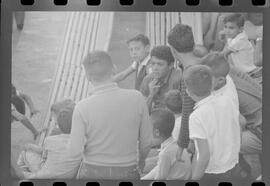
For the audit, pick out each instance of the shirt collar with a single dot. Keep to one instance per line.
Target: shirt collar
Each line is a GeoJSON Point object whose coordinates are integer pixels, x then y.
{"type": "Point", "coordinates": [222, 89]}
{"type": "Point", "coordinates": [166, 143]}
{"type": "Point", "coordinates": [203, 101]}
{"type": "Point", "coordinates": [104, 88]}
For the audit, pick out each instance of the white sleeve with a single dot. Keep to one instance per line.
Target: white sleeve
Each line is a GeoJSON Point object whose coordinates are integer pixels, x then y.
{"type": "Point", "coordinates": [196, 129]}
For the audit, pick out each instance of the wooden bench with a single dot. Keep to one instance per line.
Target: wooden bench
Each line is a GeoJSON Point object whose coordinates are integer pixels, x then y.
{"type": "Point", "coordinates": [84, 32]}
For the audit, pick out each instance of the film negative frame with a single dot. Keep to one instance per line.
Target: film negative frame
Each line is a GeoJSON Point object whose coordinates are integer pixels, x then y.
{"type": "Point", "coordinates": [8, 6]}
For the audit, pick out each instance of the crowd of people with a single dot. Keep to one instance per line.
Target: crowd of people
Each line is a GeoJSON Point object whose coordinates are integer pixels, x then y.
{"type": "Point", "coordinates": [194, 121]}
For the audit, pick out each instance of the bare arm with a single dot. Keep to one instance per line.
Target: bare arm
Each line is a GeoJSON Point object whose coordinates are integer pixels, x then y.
{"type": "Point", "coordinates": [125, 73]}
{"type": "Point", "coordinates": [29, 103]}
{"type": "Point", "coordinates": [202, 159]}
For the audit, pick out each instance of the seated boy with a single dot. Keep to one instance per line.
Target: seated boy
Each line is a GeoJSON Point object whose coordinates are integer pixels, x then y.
{"type": "Point", "coordinates": [168, 167]}
{"type": "Point", "coordinates": [173, 102]}
{"type": "Point", "coordinates": [238, 48]}
{"type": "Point", "coordinates": [213, 126]}
{"type": "Point", "coordinates": [139, 48]}
{"type": "Point", "coordinates": [51, 160]}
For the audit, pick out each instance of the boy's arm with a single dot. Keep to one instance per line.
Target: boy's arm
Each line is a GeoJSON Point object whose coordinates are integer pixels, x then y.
{"type": "Point", "coordinates": [29, 103]}
{"type": "Point", "coordinates": [202, 159]}
{"type": "Point", "coordinates": [187, 108]}
{"type": "Point", "coordinates": [125, 73]}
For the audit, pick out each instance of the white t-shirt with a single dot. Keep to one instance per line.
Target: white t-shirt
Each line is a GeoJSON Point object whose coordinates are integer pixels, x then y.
{"type": "Point", "coordinates": [242, 56]}
{"type": "Point", "coordinates": [229, 90]}
{"type": "Point", "coordinates": [216, 119]}
{"type": "Point", "coordinates": [177, 126]}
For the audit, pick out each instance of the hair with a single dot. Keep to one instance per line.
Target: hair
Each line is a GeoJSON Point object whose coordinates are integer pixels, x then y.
{"type": "Point", "coordinates": [140, 37]}
{"type": "Point", "coordinates": [181, 38]}
{"type": "Point", "coordinates": [163, 121]}
{"type": "Point", "coordinates": [236, 18]}
{"type": "Point", "coordinates": [98, 64]}
{"type": "Point", "coordinates": [173, 101]}
{"type": "Point", "coordinates": [17, 101]}
{"type": "Point", "coordinates": [164, 53]}
{"type": "Point", "coordinates": [218, 64]}
{"type": "Point", "coordinates": [64, 110]}
{"type": "Point", "coordinates": [198, 79]}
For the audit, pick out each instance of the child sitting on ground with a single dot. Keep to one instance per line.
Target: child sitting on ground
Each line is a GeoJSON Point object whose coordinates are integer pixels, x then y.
{"type": "Point", "coordinates": [51, 160]}
{"type": "Point", "coordinates": [168, 167]}
{"type": "Point", "coordinates": [238, 48]}
{"type": "Point", "coordinates": [173, 102]}
{"type": "Point", "coordinates": [213, 126]}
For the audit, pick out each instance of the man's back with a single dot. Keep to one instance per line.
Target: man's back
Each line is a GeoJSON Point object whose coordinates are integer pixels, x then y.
{"type": "Point", "coordinates": [114, 120]}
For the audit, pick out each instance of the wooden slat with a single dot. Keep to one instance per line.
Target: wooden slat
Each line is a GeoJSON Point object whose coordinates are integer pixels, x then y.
{"type": "Point", "coordinates": [162, 28]}
{"type": "Point", "coordinates": [152, 29]}
{"type": "Point", "coordinates": [81, 37]}
{"type": "Point", "coordinates": [75, 83]}
{"type": "Point", "coordinates": [157, 27]}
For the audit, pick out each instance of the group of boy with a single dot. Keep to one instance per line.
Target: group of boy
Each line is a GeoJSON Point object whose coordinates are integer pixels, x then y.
{"type": "Point", "coordinates": [211, 100]}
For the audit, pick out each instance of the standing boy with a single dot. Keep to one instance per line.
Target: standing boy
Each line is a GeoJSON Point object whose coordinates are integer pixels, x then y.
{"type": "Point", "coordinates": [214, 127]}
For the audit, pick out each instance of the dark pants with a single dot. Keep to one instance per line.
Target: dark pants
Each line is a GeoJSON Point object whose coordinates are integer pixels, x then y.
{"type": "Point", "coordinates": [88, 171]}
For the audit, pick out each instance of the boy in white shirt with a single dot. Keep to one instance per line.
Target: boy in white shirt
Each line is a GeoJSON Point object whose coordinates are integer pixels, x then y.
{"type": "Point", "coordinates": [168, 168]}
{"type": "Point", "coordinates": [238, 48]}
{"type": "Point", "coordinates": [214, 127]}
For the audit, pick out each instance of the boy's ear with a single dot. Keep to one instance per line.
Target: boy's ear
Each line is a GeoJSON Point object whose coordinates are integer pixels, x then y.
{"type": "Point", "coordinates": [156, 132]}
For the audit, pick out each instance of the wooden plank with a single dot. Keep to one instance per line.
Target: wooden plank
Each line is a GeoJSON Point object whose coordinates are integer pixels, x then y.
{"type": "Point", "coordinates": [75, 84]}
{"type": "Point", "coordinates": [57, 77]}
{"type": "Point", "coordinates": [157, 27]}
{"type": "Point", "coordinates": [162, 29]}
{"type": "Point", "coordinates": [75, 53]}
{"type": "Point", "coordinates": [67, 59]}
{"type": "Point", "coordinates": [152, 29]}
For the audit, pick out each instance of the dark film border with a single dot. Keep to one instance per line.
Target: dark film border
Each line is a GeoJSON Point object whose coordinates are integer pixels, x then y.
{"type": "Point", "coordinates": [112, 5]}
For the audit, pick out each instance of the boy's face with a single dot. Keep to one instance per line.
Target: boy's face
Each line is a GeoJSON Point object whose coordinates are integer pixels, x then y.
{"type": "Point", "coordinates": [160, 68]}
{"type": "Point", "coordinates": [231, 29]}
{"type": "Point", "coordinates": [138, 51]}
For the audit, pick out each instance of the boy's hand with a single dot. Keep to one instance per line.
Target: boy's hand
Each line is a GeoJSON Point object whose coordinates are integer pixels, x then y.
{"type": "Point", "coordinates": [222, 36]}
{"type": "Point", "coordinates": [153, 87]}
{"type": "Point", "coordinates": [135, 65]}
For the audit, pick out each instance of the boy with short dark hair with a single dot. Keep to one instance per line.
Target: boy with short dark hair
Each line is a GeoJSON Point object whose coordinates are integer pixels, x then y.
{"type": "Point", "coordinates": [238, 48]}
{"type": "Point", "coordinates": [214, 127]}
{"type": "Point", "coordinates": [167, 167]}
{"type": "Point", "coordinates": [164, 77]}
{"type": "Point", "coordinates": [139, 47]}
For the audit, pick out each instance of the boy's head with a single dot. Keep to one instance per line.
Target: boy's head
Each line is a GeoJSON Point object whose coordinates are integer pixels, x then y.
{"type": "Point", "coordinates": [234, 24]}
{"type": "Point", "coordinates": [98, 66]}
{"type": "Point", "coordinates": [162, 61]}
{"type": "Point", "coordinates": [139, 47]}
{"type": "Point", "coordinates": [198, 79]}
{"type": "Point", "coordinates": [181, 39]}
{"type": "Point", "coordinates": [163, 123]}
{"type": "Point", "coordinates": [219, 66]}
{"type": "Point", "coordinates": [63, 111]}
{"type": "Point", "coordinates": [173, 101]}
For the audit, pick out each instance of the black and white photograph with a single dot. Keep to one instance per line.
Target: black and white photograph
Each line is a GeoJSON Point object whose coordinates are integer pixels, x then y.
{"type": "Point", "coordinates": [105, 95]}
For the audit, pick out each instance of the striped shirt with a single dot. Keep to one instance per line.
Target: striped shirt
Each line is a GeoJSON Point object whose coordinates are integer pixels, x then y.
{"type": "Point", "coordinates": [187, 108]}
